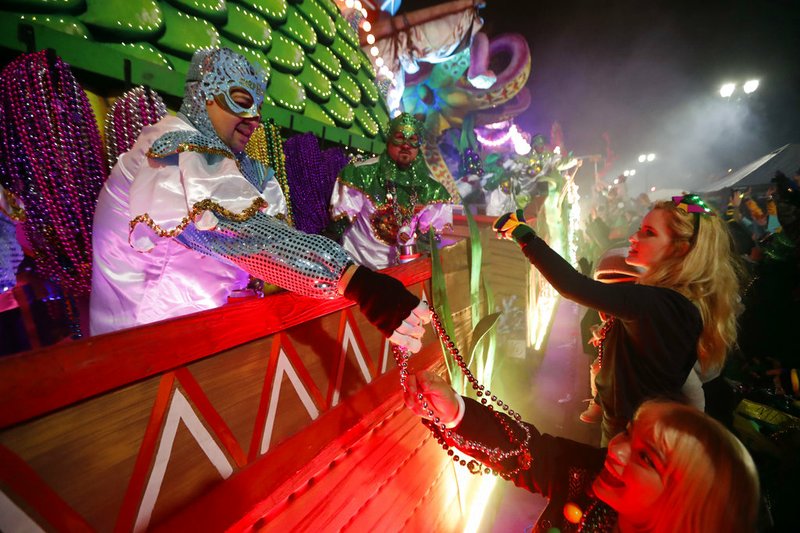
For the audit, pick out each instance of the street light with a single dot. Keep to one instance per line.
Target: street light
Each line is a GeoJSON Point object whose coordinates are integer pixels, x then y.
{"type": "Point", "coordinates": [727, 90]}
{"type": "Point", "coordinates": [750, 86]}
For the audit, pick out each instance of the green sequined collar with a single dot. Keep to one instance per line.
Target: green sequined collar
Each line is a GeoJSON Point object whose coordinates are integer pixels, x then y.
{"type": "Point", "coordinates": [415, 181]}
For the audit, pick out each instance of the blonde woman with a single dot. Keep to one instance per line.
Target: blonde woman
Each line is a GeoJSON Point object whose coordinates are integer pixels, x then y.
{"type": "Point", "coordinates": [673, 469]}
{"type": "Point", "coordinates": [682, 310]}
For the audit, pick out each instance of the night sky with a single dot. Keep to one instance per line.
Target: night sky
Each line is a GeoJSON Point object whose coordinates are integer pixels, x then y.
{"type": "Point", "coordinates": [649, 72]}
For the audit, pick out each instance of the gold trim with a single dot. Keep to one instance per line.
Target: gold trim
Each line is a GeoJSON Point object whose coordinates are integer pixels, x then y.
{"type": "Point", "coordinates": [203, 205]}
{"type": "Point", "coordinates": [446, 227]}
{"type": "Point", "coordinates": [16, 213]}
{"type": "Point", "coordinates": [342, 216]}
{"type": "Point", "coordinates": [364, 193]}
{"type": "Point", "coordinates": [377, 204]}
{"type": "Point", "coordinates": [438, 201]}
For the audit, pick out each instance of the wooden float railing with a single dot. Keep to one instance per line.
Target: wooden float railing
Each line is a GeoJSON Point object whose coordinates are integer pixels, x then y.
{"type": "Point", "coordinates": [60, 375]}
{"type": "Point", "coordinates": [280, 413]}
{"type": "Point", "coordinates": [277, 413]}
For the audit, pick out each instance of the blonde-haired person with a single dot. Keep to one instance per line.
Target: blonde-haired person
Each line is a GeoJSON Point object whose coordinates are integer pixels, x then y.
{"type": "Point", "coordinates": [674, 468]}
{"type": "Point", "coordinates": [703, 267]}
{"type": "Point", "coordinates": [682, 310]}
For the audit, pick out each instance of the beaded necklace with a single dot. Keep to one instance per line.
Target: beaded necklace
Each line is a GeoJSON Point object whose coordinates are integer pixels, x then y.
{"type": "Point", "coordinates": [392, 212]}
{"type": "Point", "coordinates": [598, 518]}
{"type": "Point", "coordinates": [51, 158]}
{"type": "Point", "coordinates": [443, 434]}
{"type": "Point", "coordinates": [266, 146]}
{"type": "Point", "coordinates": [311, 173]}
{"type": "Point", "coordinates": [403, 216]}
{"type": "Point", "coordinates": [10, 254]}
{"type": "Point", "coordinates": [601, 340]}
{"type": "Point", "coordinates": [137, 108]}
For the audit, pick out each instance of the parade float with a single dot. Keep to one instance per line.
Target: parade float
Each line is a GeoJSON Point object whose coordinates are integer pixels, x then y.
{"type": "Point", "coordinates": [274, 412]}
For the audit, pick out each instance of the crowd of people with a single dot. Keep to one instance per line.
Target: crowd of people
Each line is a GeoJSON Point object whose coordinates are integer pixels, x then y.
{"type": "Point", "coordinates": [669, 327]}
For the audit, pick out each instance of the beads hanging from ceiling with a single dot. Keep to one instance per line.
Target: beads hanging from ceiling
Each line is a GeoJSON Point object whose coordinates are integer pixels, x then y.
{"type": "Point", "coordinates": [266, 147]}
{"type": "Point", "coordinates": [51, 158]}
{"type": "Point", "coordinates": [137, 108]}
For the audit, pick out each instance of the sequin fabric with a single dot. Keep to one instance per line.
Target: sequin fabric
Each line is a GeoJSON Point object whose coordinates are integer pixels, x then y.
{"type": "Point", "coordinates": [263, 246]}
{"type": "Point", "coordinates": [408, 126]}
{"type": "Point", "coordinates": [213, 72]}
{"type": "Point", "coordinates": [175, 142]}
{"type": "Point", "coordinates": [268, 249]}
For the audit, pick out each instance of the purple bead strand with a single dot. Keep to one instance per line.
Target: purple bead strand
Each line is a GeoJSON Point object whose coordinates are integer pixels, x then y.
{"type": "Point", "coordinates": [52, 160]}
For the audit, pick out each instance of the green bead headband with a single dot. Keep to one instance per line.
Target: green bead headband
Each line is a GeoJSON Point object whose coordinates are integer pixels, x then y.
{"type": "Point", "coordinates": [691, 203]}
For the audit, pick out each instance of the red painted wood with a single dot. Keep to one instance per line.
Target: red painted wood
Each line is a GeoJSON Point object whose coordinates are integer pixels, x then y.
{"type": "Point", "coordinates": [61, 375]}
{"type": "Point", "coordinates": [268, 484]}
{"type": "Point", "coordinates": [211, 416]}
{"type": "Point", "coordinates": [26, 483]}
{"type": "Point", "coordinates": [373, 487]}
{"type": "Point", "coordinates": [335, 382]}
{"type": "Point", "coordinates": [361, 344]}
{"type": "Point", "coordinates": [302, 371]}
{"type": "Point", "coordinates": [133, 495]}
{"type": "Point", "coordinates": [461, 220]}
{"type": "Point", "coordinates": [263, 404]}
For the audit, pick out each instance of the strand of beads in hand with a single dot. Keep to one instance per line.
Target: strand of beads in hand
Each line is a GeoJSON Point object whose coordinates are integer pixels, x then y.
{"type": "Point", "coordinates": [443, 434]}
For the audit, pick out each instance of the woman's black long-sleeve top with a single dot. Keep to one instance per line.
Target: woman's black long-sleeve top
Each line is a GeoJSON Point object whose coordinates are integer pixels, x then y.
{"type": "Point", "coordinates": [652, 345]}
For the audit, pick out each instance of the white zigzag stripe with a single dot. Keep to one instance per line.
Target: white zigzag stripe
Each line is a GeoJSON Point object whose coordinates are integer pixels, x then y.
{"type": "Point", "coordinates": [284, 367]}
{"type": "Point", "coordinates": [349, 339]}
{"type": "Point", "coordinates": [12, 518]}
{"type": "Point", "coordinates": [179, 409]}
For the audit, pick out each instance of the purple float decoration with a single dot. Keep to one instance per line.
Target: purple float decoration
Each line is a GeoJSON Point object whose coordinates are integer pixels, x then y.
{"type": "Point", "coordinates": [312, 175]}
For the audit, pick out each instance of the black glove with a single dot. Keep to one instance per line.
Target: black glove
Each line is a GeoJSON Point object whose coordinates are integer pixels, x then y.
{"type": "Point", "coordinates": [384, 300]}
{"type": "Point", "coordinates": [512, 226]}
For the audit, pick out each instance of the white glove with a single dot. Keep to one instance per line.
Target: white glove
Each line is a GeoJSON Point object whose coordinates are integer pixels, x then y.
{"type": "Point", "coordinates": [409, 334]}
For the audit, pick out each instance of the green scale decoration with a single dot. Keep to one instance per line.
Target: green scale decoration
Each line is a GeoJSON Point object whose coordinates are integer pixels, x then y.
{"type": "Point", "coordinates": [311, 54]}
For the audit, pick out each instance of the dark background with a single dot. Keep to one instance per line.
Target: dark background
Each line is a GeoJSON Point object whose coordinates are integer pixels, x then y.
{"type": "Point", "coordinates": [649, 72]}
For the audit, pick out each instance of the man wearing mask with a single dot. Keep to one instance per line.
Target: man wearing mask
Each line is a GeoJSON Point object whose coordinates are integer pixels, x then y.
{"type": "Point", "coordinates": [186, 217]}
{"type": "Point", "coordinates": [379, 205]}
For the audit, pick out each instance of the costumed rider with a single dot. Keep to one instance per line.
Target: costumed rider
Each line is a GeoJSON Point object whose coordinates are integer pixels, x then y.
{"type": "Point", "coordinates": [540, 165]}
{"type": "Point", "coordinates": [378, 206]}
{"type": "Point", "coordinates": [185, 218]}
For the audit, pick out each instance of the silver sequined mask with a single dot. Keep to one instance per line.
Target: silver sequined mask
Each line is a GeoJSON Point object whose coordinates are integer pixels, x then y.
{"type": "Point", "coordinates": [213, 73]}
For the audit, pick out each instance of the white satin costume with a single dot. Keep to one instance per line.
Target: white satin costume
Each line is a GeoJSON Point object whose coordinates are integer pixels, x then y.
{"type": "Point", "coordinates": [179, 227]}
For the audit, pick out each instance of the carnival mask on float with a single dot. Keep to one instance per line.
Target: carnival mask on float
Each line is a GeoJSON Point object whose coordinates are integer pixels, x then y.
{"type": "Point", "coordinates": [409, 129]}
{"type": "Point", "coordinates": [215, 74]}
{"type": "Point", "coordinates": [405, 139]}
